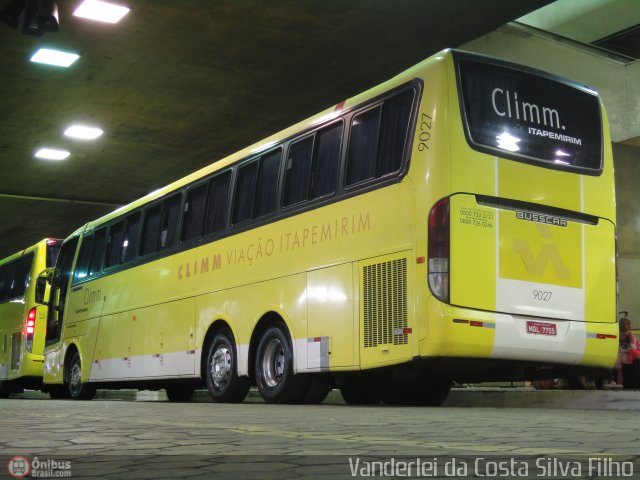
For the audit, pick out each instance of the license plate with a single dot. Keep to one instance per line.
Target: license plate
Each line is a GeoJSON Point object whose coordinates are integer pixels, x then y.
{"type": "Point", "coordinates": [541, 328]}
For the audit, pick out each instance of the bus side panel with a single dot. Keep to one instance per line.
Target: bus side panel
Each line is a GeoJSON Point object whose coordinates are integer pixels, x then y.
{"type": "Point", "coordinates": [243, 307]}
{"type": "Point", "coordinates": [332, 331]}
{"type": "Point", "coordinates": [156, 341]}
{"type": "Point", "coordinates": [168, 338]}
{"type": "Point", "coordinates": [54, 364]}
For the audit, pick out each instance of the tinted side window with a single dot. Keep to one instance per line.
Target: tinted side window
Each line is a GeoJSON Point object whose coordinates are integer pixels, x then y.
{"type": "Point", "coordinates": [312, 166]}
{"type": "Point", "coordinates": [97, 251]}
{"type": "Point", "coordinates": [326, 161]}
{"type": "Point", "coordinates": [396, 113]}
{"type": "Point", "coordinates": [82, 264]}
{"type": "Point", "coordinates": [151, 229]}
{"type": "Point", "coordinates": [217, 203]}
{"type": "Point", "coordinates": [114, 247]}
{"type": "Point", "coordinates": [378, 137]}
{"type": "Point", "coordinates": [170, 216]}
{"type": "Point", "coordinates": [194, 208]}
{"type": "Point", "coordinates": [298, 171]}
{"type": "Point", "coordinates": [267, 188]}
{"type": "Point", "coordinates": [132, 233]}
{"type": "Point", "coordinates": [245, 189]}
{"type": "Point", "coordinates": [361, 163]}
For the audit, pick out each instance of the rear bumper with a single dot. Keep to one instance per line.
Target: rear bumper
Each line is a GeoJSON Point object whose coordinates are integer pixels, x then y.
{"type": "Point", "coordinates": [465, 333]}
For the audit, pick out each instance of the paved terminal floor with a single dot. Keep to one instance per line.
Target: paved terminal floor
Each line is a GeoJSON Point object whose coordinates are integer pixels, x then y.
{"type": "Point", "coordinates": [159, 439]}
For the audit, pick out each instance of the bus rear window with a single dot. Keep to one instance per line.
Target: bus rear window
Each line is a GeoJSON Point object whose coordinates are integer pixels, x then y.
{"type": "Point", "coordinates": [53, 248]}
{"type": "Point", "coordinates": [14, 278]}
{"type": "Point", "coordinates": [530, 117]}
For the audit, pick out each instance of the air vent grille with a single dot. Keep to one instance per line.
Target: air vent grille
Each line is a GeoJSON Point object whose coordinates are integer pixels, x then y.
{"type": "Point", "coordinates": [385, 303]}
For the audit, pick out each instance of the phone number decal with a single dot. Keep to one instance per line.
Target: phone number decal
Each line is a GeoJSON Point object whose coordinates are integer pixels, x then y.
{"type": "Point", "coordinates": [477, 218]}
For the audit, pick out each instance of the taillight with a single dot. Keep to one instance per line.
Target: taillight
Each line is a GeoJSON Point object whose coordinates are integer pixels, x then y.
{"type": "Point", "coordinates": [438, 264]}
{"type": "Point", "coordinates": [30, 329]}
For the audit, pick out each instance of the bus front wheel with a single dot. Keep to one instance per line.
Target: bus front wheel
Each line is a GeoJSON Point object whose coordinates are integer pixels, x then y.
{"type": "Point", "coordinates": [274, 368]}
{"type": "Point", "coordinates": [223, 382]}
{"type": "Point", "coordinates": [77, 389]}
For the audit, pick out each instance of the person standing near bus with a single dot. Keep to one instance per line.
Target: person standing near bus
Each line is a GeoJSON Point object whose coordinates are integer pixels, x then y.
{"type": "Point", "coordinates": [627, 351]}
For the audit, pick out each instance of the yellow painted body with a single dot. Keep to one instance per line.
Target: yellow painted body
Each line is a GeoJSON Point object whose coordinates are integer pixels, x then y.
{"type": "Point", "coordinates": [325, 272]}
{"type": "Point", "coordinates": [16, 362]}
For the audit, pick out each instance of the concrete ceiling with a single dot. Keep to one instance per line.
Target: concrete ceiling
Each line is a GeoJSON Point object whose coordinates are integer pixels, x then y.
{"type": "Point", "coordinates": [178, 85]}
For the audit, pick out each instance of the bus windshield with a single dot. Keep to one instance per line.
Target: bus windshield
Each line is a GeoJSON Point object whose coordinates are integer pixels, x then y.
{"type": "Point", "coordinates": [534, 118]}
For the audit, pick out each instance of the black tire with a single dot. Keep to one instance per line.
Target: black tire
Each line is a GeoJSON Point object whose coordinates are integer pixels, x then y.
{"type": "Point", "coordinates": [179, 393]}
{"type": "Point", "coordinates": [4, 389]}
{"type": "Point", "coordinates": [274, 368]}
{"type": "Point", "coordinates": [58, 392]}
{"type": "Point", "coordinates": [221, 370]}
{"type": "Point", "coordinates": [77, 389]}
{"type": "Point", "coordinates": [357, 392]}
{"type": "Point", "coordinates": [319, 387]}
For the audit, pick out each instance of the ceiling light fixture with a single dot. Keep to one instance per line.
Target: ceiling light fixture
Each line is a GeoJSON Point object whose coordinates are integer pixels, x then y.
{"type": "Point", "coordinates": [83, 132]}
{"type": "Point", "coordinates": [101, 11]}
{"type": "Point", "coordinates": [51, 154]}
{"type": "Point", "coordinates": [54, 57]}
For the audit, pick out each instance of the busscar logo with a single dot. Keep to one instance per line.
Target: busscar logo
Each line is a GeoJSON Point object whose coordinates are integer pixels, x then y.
{"type": "Point", "coordinates": [541, 218]}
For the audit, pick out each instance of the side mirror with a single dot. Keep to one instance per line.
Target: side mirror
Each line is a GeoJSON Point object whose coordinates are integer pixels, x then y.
{"type": "Point", "coordinates": [44, 279]}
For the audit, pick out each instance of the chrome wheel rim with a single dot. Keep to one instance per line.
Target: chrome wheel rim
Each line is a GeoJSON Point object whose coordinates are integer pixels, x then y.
{"type": "Point", "coordinates": [221, 367]}
{"type": "Point", "coordinates": [273, 363]}
{"type": "Point", "coordinates": [75, 379]}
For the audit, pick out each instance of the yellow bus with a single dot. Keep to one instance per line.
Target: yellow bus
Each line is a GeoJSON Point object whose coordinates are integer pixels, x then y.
{"type": "Point", "coordinates": [22, 320]}
{"type": "Point", "coordinates": [455, 223]}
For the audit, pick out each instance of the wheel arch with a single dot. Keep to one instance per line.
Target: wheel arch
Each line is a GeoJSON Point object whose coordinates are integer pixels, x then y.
{"type": "Point", "coordinates": [68, 354]}
{"type": "Point", "coordinates": [266, 320]}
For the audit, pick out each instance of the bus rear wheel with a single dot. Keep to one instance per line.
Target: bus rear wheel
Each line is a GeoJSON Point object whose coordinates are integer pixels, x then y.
{"type": "Point", "coordinates": [274, 368]}
{"type": "Point", "coordinates": [223, 382]}
{"type": "Point", "coordinates": [77, 389]}
{"type": "Point", "coordinates": [319, 387]}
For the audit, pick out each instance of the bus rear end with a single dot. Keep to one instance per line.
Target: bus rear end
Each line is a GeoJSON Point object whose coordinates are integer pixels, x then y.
{"type": "Point", "coordinates": [522, 260]}
{"type": "Point", "coordinates": [22, 321]}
